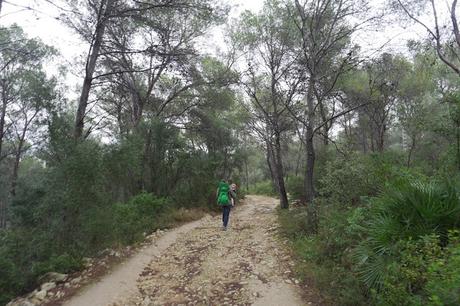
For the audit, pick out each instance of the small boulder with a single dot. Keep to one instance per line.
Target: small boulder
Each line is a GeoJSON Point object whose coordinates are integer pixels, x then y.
{"type": "Point", "coordinates": [41, 295]}
{"type": "Point", "coordinates": [53, 277]}
{"type": "Point", "coordinates": [76, 280]}
{"type": "Point", "coordinates": [48, 286]}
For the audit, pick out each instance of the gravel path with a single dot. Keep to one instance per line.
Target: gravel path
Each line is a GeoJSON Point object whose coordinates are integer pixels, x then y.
{"type": "Point", "coordinates": [199, 264]}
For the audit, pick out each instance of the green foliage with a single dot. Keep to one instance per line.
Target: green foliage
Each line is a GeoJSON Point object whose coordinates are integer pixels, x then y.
{"type": "Point", "coordinates": [348, 179]}
{"type": "Point", "coordinates": [408, 210]}
{"type": "Point", "coordinates": [10, 282]}
{"type": "Point", "coordinates": [392, 249]}
{"type": "Point", "coordinates": [295, 187]}
{"type": "Point", "coordinates": [142, 214]}
{"type": "Point", "coordinates": [263, 188]}
{"type": "Point", "coordinates": [443, 281]}
{"type": "Point", "coordinates": [326, 258]}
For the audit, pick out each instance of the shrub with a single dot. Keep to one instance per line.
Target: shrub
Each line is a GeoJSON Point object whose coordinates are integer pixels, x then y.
{"type": "Point", "coordinates": [346, 180]}
{"type": "Point", "coordinates": [295, 187]}
{"type": "Point", "coordinates": [263, 188]}
{"type": "Point", "coordinates": [443, 281]}
{"type": "Point", "coordinates": [10, 280]}
{"type": "Point", "coordinates": [408, 210]}
{"type": "Point", "coordinates": [326, 257]}
{"type": "Point", "coordinates": [142, 214]}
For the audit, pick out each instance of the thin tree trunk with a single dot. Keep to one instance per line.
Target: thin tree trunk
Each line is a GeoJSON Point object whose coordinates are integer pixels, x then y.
{"type": "Point", "coordinates": [310, 149]}
{"type": "Point", "coordinates": [458, 147]}
{"type": "Point", "coordinates": [105, 9]}
{"type": "Point", "coordinates": [2, 116]}
{"type": "Point", "coordinates": [3, 202]}
{"type": "Point", "coordinates": [247, 174]}
{"type": "Point", "coordinates": [280, 174]}
{"type": "Point", "coordinates": [411, 151]}
{"type": "Point", "coordinates": [2, 213]}
{"type": "Point", "coordinates": [17, 159]}
{"type": "Point", "coordinates": [271, 166]}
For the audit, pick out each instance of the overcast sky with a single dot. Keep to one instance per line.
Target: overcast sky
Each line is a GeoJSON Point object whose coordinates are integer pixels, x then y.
{"type": "Point", "coordinates": [41, 23]}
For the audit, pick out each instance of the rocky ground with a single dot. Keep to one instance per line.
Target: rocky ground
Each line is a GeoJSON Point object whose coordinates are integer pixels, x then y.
{"type": "Point", "coordinates": [195, 264]}
{"type": "Point", "coordinates": [246, 265]}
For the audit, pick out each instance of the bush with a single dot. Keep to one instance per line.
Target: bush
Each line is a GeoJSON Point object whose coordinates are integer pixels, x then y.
{"type": "Point", "coordinates": [326, 257]}
{"type": "Point", "coordinates": [295, 187]}
{"type": "Point", "coordinates": [10, 280]}
{"type": "Point", "coordinates": [443, 281]}
{"type": "Point", "coordinates": [263, 188]}
{"type": "Point", "coordinates": [142, 214]}
{"type": "Point", "coordinates": [348, 180]}
{"type": "Point", "coordinates": [408, 210]}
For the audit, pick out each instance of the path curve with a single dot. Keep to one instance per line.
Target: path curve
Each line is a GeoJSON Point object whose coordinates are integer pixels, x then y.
{"type": "Point", "coordinates": [199, 264]}
{"type": "Point", "coordinates": [121, 282]}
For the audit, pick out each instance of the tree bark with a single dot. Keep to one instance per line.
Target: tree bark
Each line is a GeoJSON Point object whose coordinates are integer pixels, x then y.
{"type": "Point", "coordinates": [17, 159]}
{"type": "Point", "coordinates": [310, 149]}
{"type": "Point", "coordinates": [411, 151]}
{"type": "Point", "coordinates": [458, 147]}
{"type": "Point", "coordinates": [2, 116]}
{"type": "Point", "coordinates": [2, 213]}
{"type": "Point", "coordinates": [105, 9]}
{"type": "Point", "coordinates": [280, 174]}
{"type": "Point", "coordinates": [271, 166]}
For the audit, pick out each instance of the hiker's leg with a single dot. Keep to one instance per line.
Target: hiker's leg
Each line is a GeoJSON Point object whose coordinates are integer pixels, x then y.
{"type": "Point", "coordinates": [226, 215]}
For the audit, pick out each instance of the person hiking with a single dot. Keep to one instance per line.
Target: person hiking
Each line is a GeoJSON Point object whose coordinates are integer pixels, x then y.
{"type": "Point", "coordinates": [224, 199]}
{"type": "Point", "coordinates": [233, 193]}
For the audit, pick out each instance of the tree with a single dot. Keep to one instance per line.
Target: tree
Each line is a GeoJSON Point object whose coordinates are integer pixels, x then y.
{"type": "Point", "coordinates": [25, 92]}
{"type": "Point", "coordinates": [271, 81]}
{"type": "Point", "coordinates": [102, 24]}
{"type": "Point", "coordinates": [445, 36]}
{"type": "Point", "coordinates": [324, 31]}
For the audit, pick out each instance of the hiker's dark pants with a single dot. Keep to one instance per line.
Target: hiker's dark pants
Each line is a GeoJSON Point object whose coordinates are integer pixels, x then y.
{"type": "Point", "coordinates": [226, 214]}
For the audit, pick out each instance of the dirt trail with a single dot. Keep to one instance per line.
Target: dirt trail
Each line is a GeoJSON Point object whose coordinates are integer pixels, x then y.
{"type": "Point", "coordinates": [199, 264]}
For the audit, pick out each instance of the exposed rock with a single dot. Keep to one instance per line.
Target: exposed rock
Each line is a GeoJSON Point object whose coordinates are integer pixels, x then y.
{"type": "Point", "coordinates": [20, 302]}
{"type": "Point", "coordinates": [76, 280]}
{"type": "Point", "coordinates": [87, 262]}
{"type": "Point", "coordinates": [41, 295]}
{"type": "Point", "coordinates": [146, 301]}
{"type": "Point", "coordinates": [53, 277]}
{"type": "Point", "coordinates": [48, 286]}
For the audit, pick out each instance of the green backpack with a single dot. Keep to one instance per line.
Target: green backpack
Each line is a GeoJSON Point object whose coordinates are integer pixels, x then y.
{"type": "Point", "coordinates": [222, 198]}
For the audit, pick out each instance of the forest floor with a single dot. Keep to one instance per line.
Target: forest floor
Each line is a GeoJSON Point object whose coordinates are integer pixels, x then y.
{"type": "Point", "coordinates": [199, 264]}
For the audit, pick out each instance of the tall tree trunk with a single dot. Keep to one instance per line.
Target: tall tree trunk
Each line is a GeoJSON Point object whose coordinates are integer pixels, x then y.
{"type": "Point", "coordinates": [2, 116]}
{"type": "Point", "coordinates": [105, 10]}
{"type": "Point", "coordinates": [310, 149]}
{"type": "Point", "coordinates": [272, 166]}
{"type": "Point", "coordinates": [3, 202]}
{"type": "Point", "coordinates": [411, 151]}
{"type": "Point", "coordinates": [17, 159]}
{"type": "Point", "coordinates": [247, 174]}
{"type": "Point", "coordinates": [280, 173]}
{"type": "Point", "coordinates": [381, 138]}
{"type": "Point", "coordinates": [458, 147]}
{"type": "Point", "coordinates": [2, 213]}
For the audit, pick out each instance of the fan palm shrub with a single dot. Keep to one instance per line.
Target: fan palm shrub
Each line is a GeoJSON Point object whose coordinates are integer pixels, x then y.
{"type": "Point", "coordinates": [408, 210]}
